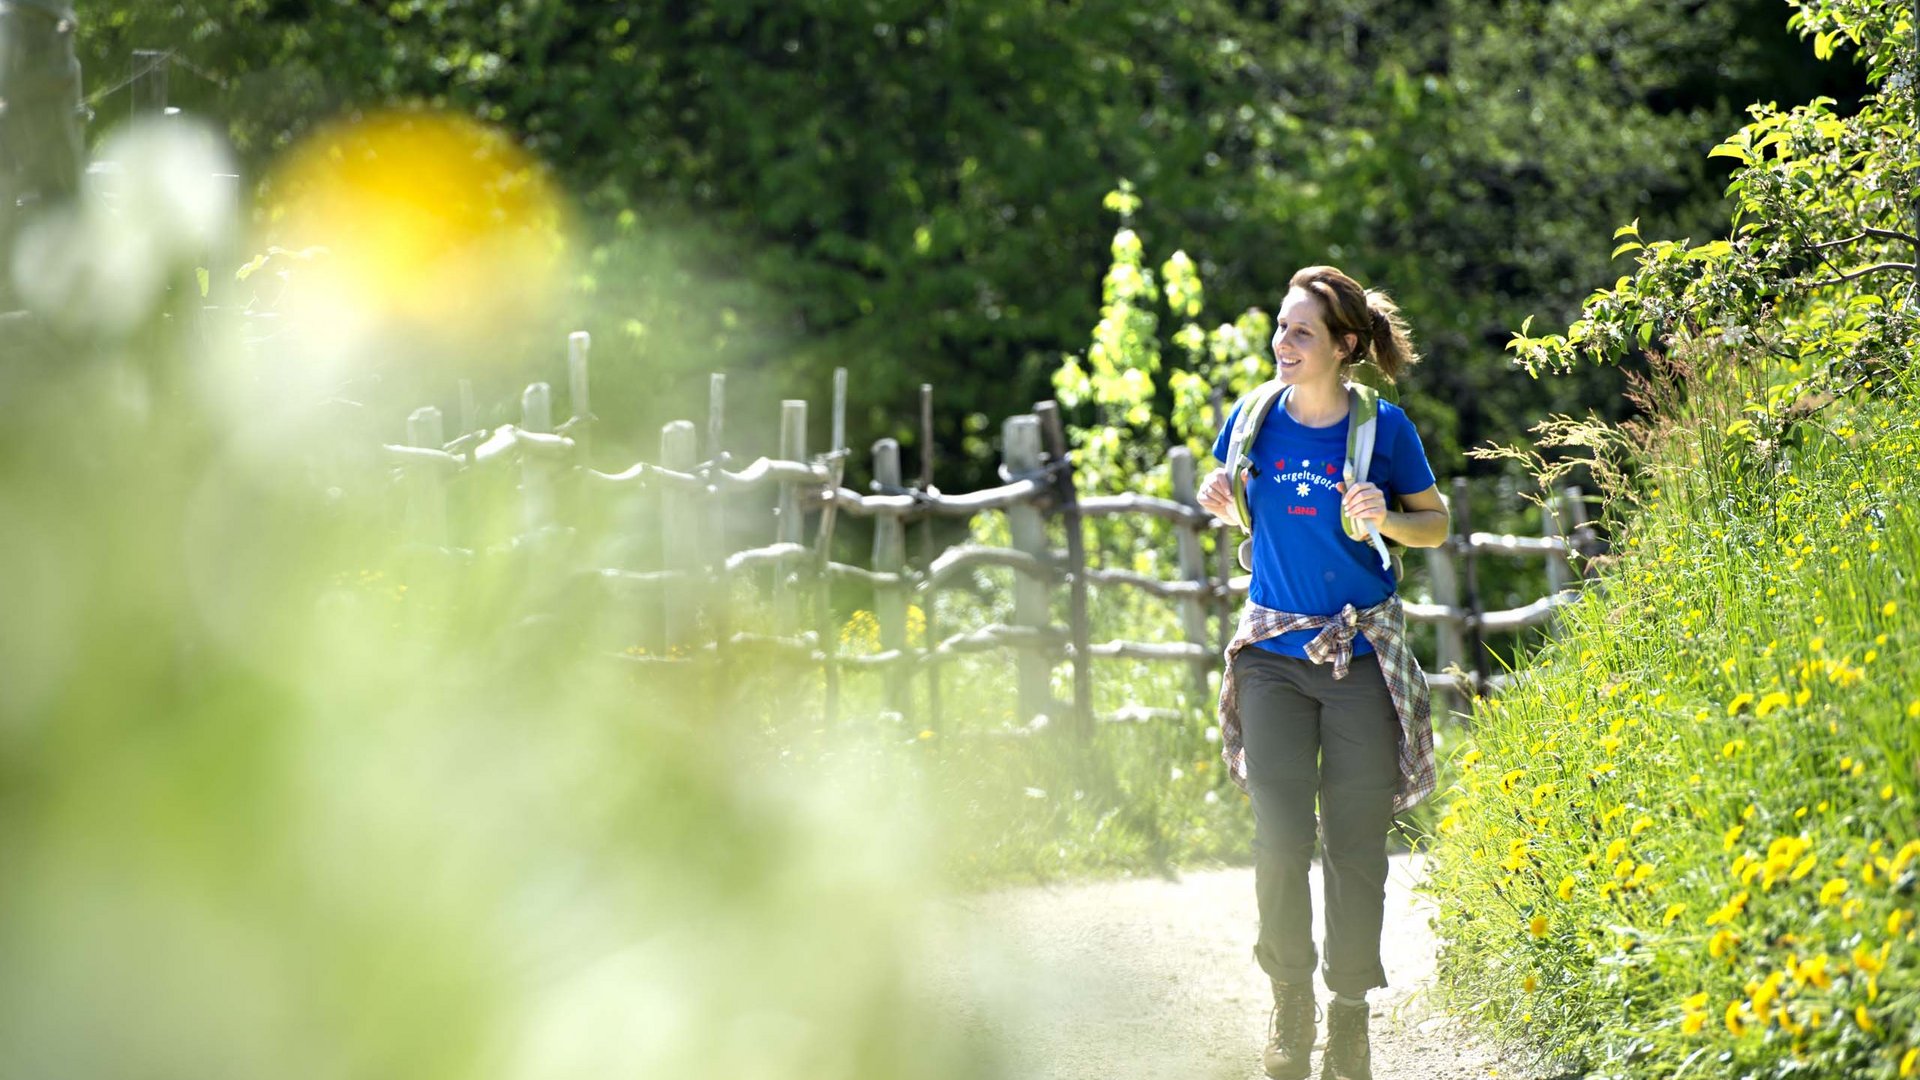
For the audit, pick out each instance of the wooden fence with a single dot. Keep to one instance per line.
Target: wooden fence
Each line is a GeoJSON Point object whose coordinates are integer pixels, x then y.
{"type": "Point", "coordinates": [686, 494]}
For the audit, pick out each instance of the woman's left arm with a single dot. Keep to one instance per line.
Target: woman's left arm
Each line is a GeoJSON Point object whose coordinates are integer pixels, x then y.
{"type": "Point", "coordinates": [1421, 521]}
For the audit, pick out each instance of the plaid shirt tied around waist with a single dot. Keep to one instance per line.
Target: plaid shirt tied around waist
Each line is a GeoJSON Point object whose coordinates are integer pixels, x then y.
{"type": "Point", "coordinates": [1385, 625]}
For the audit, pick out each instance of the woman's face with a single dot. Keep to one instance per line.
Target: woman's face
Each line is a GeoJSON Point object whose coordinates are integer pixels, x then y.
{"type": "Point", "coordinates": [1302, 349]}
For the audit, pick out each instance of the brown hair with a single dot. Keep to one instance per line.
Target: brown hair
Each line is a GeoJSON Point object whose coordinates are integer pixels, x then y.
{"type": "Point", "coordinates": [1368, 314]}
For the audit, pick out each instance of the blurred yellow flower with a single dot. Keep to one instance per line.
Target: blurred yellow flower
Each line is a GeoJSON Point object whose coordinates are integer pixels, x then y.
{"type": "Point", "coordinates": [1833, 891]}
{"type": "Point", "coordinates": [1909, 1060]}
{"type": "Point", "coordinates": [1537, 926]}
{"type": "Point", "coordinates": [1740, 701]}
{"type": "Point", "coordinates": [1674, 911]}
{"type": "Point", "coordinates": [1565, 892]}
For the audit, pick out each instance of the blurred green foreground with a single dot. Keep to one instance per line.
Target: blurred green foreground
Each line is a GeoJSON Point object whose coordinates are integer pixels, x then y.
{"type": "Point", "coordinates": [278, 798]}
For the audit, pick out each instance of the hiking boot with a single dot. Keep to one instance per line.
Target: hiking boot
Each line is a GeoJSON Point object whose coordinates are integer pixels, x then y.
{"type": "Point", "coordinates": [1348, 1056]}
{"type": "Point", "coordinates": [1290, 1032]}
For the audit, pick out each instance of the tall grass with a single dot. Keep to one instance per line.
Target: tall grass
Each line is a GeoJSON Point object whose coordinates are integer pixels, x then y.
{"type": "Point", "coordinates": [1686, 844]}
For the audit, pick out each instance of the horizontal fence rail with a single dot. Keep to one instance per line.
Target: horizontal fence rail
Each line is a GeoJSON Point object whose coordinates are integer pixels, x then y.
{"type": "Point", "coordinates": [689, 494]}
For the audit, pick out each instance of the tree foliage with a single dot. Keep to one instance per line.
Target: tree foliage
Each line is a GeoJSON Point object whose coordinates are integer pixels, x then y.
{"type": "Point", "coordinates": [914, 191]}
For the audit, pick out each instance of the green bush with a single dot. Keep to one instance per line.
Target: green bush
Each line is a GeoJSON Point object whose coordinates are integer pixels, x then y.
{"type": "Point", "coordinates": [1685, 844]}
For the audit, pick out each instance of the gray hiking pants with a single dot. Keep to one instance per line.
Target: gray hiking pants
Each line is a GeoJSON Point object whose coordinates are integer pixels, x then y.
{"type": "Point", "coordinates": [1307, 736]}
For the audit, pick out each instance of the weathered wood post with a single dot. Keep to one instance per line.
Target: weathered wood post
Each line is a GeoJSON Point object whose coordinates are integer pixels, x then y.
{"type": "Point", "coordinates": [679, 535]}
{"type": "Point", "coordinates": [469, 412]}
{"type": "Point", "coordinates": [538, 474]}
{"type": "Point", "coordinates": [836, 461]}
{"type": "Point", "coordinates": [580, 427]}
{"type": "Point", "coordinates": [536, 471]}
{"type": "Point", "coordinates": [929, 626]}
{"type": "Point", "coordinates": [1577, 532]}
{"type": "Point", "coordinates": [1068, 500]}
{"type": "Point", "coordinates": [1476, 649]}
{"type": "Point", "coordinates": [1450, 643]}
{"type": "Point", "coordinates": [426, 483]}
{"type": "Point", "coordinates": [1193, 567]}
{"type": "Point", "coordinates": [839, 441]}
{"type": "Point", "coordinates": [1021, 440]}
{"type": "Point", "coordinates": [789, 525]}
{"type": "Point", "coordinates": [721, 587]}
{"type": "Point", "coordinates": [149, 79]}
{"type": "Point", "coordinates": [1225, 552]}
{"type": "Point", "coordinates": [890, 557]}
{"type": "Point", "coordinates": [1558, 572]}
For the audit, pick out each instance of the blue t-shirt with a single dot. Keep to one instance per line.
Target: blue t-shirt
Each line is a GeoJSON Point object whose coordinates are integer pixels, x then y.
{"type": "Point", "coordinates": [1303, 562]}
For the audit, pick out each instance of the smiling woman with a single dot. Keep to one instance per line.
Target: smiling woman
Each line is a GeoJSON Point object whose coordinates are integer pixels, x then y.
{"type": "Point", "coordinates": [1321, 699]}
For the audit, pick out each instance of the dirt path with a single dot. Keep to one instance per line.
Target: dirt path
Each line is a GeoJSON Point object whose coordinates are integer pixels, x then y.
{"type": "Point", "coordinates": [1142, 979]}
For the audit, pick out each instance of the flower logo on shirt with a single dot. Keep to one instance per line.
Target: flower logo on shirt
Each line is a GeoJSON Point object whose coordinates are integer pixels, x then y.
{"type": "Point", "coordinates": [1302, 489]}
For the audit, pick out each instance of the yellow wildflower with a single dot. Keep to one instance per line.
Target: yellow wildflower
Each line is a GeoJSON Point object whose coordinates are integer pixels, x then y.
{"type": "Point", "coordinates": [1674, 911]}
{"type": "Point", "coordinates": [1565, 892]}
{"type": "Point", "coordinates": [1740, 701]}
{"type": "Point", "coordinates": [1537, 926]}
{"type": "Point", "coordinates": [1833, 890]}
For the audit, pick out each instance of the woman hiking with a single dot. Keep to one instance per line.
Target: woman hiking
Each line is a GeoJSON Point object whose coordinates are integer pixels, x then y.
{"type": "Point", "coordinates": [1321, 697]}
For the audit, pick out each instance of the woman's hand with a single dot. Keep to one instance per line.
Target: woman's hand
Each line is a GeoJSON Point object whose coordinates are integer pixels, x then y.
{"type": "Point", "coordinates": [1216, 495]}
{"type": "Point", "coordinates": [1363, 502]}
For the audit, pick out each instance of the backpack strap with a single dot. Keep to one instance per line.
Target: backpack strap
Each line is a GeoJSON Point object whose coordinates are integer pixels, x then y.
{"type": "Point", "coordinates": [1246, 426]}
{"type": "Point", "coordinates": [1363, 425]}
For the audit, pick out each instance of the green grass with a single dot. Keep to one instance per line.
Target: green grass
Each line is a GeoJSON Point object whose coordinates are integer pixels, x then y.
{"type": "Point", "coordinates": [1686, 844]}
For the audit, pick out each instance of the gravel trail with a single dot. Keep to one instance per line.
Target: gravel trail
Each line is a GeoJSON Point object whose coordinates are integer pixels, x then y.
{"type": "Point", "coordinates": [1148, 978]}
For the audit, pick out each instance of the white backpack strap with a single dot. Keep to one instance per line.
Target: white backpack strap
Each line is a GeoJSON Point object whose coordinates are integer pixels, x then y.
{"type": "Point", "coordinates": [1363, 412]}
{"type": "Point", "coordinates": [1246, 427]}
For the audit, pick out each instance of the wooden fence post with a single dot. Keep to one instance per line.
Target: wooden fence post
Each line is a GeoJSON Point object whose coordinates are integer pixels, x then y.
{"type": "Point", "coordinates": [150, 71]}
{"type": "Point", "coordinates": [427, 495]}
{"type": "Point", "coordinates": [469, 412]}
{"type": "Point", "coordinates": [1450, 644]}
{"type": "Point", "coordinates": [719, 593]}
{"type": "Point", "coordinates": [1078, 629]}
{"type": "Point", "coordinates": [1558, 572]}
{"type": "Point", "coordinates": [789, 527]}
{"type": "Point", "coordinates": [890, 557]}
{"type": "Point", "coordinates": [1021, 439]}
{"type": "Point", "coordinates": [536, 473]}
{"type": "Point", "coordinates": [580, 427]}
{"type": "Point", "coordinates": [1193, 567]}
{"type": "Point", "coordinates": [679, 534]}
{"type": "Point", "coordinates": [1576, 504]}
{"type": "Point", "coordinates": [1476, 648]}
{"type": "Point", "coordinates": [929, 626]}
{"type": "Point", "coordinates": [823, 593]}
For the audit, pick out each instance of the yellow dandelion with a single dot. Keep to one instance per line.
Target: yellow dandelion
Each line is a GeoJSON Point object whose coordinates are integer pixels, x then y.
{"type": "Point", "coordinates": [1537, 926]}
{"type": "Point", "coordinates": [1640, 825]}
{"type": "Point", "coordinates": [1722, 943]}
{"type": "Point", "coordinates": [1767, 704]}
{"type": "Point", "coordinates": [1674, 911]}
{"type": "Point", "coordinates": [1731, 837]}
{"type": "Point", "coordinates": [1862, 1017]}
{"type": "Point", "coordinates": [1909, 1060]}
{"type": "Point", "coordinates": [1692, 1023]}
{"type": "Point", "coordinates": [1734, 1022]}
{"type": "Point", "coordinates": [1565, 892]}
{"type": "Point", "coordinates": [1887, 609]}
{"type": "Point", "coordinates": [1833, 891]}
{"type": "Point", "coordinates": [1740, 701]}
{"type": "Point", "coordinates": [1529, 984]}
